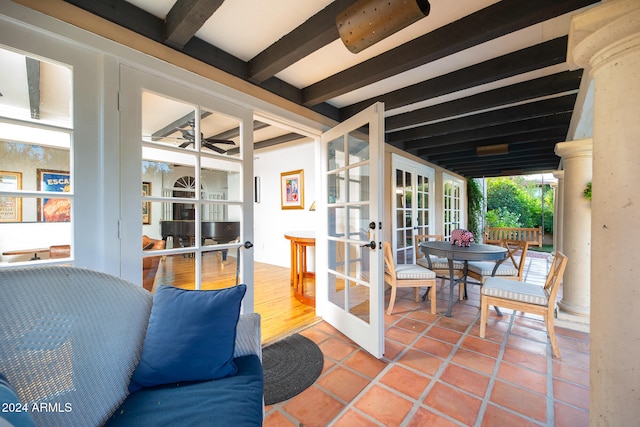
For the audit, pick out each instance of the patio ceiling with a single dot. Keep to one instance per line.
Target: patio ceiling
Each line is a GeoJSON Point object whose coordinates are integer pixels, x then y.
{"type": "Point", "coordinates": [481, 88]}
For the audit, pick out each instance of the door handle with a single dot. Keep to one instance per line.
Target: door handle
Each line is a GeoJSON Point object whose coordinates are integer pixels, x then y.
{"type": "Point", "coordinates": [371, 245]}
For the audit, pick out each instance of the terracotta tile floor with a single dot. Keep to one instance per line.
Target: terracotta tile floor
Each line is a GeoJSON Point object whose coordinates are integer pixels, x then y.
{"type": "Point", "coordinates": [437, 372]}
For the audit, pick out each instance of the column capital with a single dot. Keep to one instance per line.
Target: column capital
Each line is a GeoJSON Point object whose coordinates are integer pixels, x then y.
{"type": "Point", "coordinates": [577, 148]}
{"type": "Point", "coordinates": [558, 174]}
{"type": "Point", "coordinates": [602, 32]}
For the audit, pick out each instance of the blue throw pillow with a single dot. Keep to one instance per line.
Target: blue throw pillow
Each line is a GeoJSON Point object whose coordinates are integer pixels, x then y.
{"type": "Point", "coordinates": [191, 336]}
{"type": "Point", "coordinates": [13, 411]}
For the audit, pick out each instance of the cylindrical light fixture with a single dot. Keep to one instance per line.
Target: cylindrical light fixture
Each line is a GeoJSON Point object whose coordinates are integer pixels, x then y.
{"type": "Point", "coordinates": [366, 22]}
{"type": "Point", "coordinates": [492, 150]}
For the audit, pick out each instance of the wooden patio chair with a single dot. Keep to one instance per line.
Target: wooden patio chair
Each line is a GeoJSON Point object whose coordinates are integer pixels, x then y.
{"type": "Point", "coordinates": [511, 268]}
{"type": "Point", "coordinates": [407, 276]}
{"type": "Point", "coordinates": [527, 297]}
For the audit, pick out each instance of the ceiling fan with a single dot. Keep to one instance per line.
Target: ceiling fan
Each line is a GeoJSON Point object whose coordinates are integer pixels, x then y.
{"type": "Point", "coordinates": [189, 136]}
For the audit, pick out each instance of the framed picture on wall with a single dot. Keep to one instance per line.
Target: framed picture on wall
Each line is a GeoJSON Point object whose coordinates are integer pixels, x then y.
{"type": "Point", "coordinates": [146, 206]}
{"type": "Point", "coordinates": [53, 209]}
{"type": "Point", "coordinates": [10, 207]}
{"type": "Point", "coordinates": [292, 189]}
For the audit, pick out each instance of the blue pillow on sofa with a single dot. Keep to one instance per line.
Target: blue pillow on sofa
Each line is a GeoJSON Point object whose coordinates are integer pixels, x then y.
{"type": "Point", "coordinates": [13, 412]}
{"type": "Point", "coordinates": [191, 336]}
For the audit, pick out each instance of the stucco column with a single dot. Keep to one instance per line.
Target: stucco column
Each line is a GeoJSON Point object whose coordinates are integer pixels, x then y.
{"type": "Point", "coordinates": [605, 40]}
{"type": "Point", "coordinates": [576, 223]}
{"type": "Point", "coordinates": [558, 205]}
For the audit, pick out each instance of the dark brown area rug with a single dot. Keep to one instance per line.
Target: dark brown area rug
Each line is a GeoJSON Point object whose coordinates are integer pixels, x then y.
{"type": "Point", "coordinates": [290, 366]}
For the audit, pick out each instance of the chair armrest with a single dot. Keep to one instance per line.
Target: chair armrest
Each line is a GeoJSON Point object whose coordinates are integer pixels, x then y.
{"type": "Point", "coordinates": [248, 336]}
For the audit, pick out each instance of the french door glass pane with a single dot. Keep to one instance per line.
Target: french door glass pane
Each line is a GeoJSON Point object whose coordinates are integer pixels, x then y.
{"type": "Point", "coordinates": [337, 256]}
{"type": "Point", "coordinates": [358, 147]}
{"type": "Point", "coordinates": [336, 290]}
{"type": "Point", "coordinates": [336, 157]}
{"type": "Point", "coordinates": [359, 184]}
{"type": "Point", "coordinates": [192, 186]}
{"type": "Point", "coordinates": [220, 134]}
{"type": "Point", "coordinates": [359, 304]}
{"type": "Point", "coordinates": [358, 225]}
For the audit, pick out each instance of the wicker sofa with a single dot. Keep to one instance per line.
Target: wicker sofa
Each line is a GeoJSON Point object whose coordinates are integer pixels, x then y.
{"type": "Point", "coordinates": [71, 338]}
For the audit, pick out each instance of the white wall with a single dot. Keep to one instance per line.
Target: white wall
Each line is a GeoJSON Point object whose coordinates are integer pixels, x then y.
{"type": "Point", "coordinates": [271, 222]}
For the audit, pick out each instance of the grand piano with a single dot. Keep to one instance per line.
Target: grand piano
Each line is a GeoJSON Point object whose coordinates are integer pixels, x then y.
{"type": "Point", "coordinates": [183, 232]}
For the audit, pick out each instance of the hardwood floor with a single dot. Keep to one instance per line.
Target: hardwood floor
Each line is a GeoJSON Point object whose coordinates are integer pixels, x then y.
{"type": "Point", "coordinates": [281, 312]}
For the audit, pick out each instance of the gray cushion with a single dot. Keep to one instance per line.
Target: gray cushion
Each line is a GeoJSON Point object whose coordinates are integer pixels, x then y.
{"type": "Point", "coordinates": [412, 271]}
{"type": "Point", "coordinates": [484, 268]}
{"type": "Point", "coordinates": [512, 290]}
{"type": "Point", "coordinates": [440, 263]}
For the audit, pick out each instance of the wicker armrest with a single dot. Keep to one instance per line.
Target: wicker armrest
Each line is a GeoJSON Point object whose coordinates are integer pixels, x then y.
{"type": "Point", "coordinates": [248, 336]}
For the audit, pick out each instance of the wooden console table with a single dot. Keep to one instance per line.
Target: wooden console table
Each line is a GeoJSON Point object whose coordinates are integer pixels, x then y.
{"type": "Point", "coordinates": [300, 241]}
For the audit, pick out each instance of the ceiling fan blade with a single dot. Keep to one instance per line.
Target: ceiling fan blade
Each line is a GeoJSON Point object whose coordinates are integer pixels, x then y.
{"type": "Point", "coordinates": [185, 144]}
{"type": "Point", "coordinates": [214, 148]}
{"type": "Point", "coordinates": [219, 141]}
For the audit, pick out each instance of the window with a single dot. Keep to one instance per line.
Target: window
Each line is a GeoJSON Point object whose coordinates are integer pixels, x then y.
{"type": "Point", "coordinates": [36, 178]}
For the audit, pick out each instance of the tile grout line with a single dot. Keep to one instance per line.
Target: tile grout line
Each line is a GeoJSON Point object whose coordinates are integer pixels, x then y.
{"type": "Point", "coordinates": [436, 376]}
{"type": "Point", "coordinates": [551, 413]}
{"type": "Point", "coordinates": [376, 380]}
{"type": "Point", "coordinates": [494, 375]}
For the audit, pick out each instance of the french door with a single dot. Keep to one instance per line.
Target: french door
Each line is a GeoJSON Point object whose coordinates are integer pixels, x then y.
{"type": "Point", "coordinates": [350, 281]}
{"type": "Point", "coordinates": [412, 204]}
{"type": "Point", "coordinates": [187, 167]}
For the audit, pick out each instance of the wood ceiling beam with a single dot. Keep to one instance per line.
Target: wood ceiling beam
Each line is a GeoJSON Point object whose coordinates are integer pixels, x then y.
{"type": "Point", "coordinates": [126, 15]}
{"type": "Point", "coordinates": [504, 158]}
{"type": "Point", "coordinates": [33, 86]}
{"type": "Point", "coordinates": [235, 132]}
{"type": "Point", "coordinates": [271, 142]}
{"type": "Point", "coordinates": [516, 172]}
{"type": "Point", "coordinates": [532, 58]}
{"type": "Point", "coordinates": [513, 128]}
{"type": "Point", "coordinates": [315, 33]}
{"type": "Point", "coordinates": [487, 169]}
{"type": "Point", "coordinates": [506, 162]}
{"type": "Point", "coordinates": [514, 150]}
{"type": "Point", "coordinates": [547, 107]}
{"type": "Point", "coordinates": [557, 134]}
{"type": "Point", "coordinates": [499, 19]}
{"type": "Point", "coordinates": [139, 21]}
{"type": "Point", "coordinates": [566, 81]}
{"type": "Point", "coordinates": [185, 18]}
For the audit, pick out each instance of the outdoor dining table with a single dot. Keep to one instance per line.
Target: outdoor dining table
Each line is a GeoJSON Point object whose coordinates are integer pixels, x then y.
{"type": "Point", "coordinates": [475, 252]}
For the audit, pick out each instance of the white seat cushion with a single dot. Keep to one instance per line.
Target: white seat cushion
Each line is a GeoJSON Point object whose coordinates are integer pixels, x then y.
{"type": "Point", "coordinates": [412, 271]}
{"type": "Point", "coordinates": [515, 291]}
{"type": "Point", "coordinates": [484, 268]}
{"type": "Point", "coordinates": [440, 263]}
